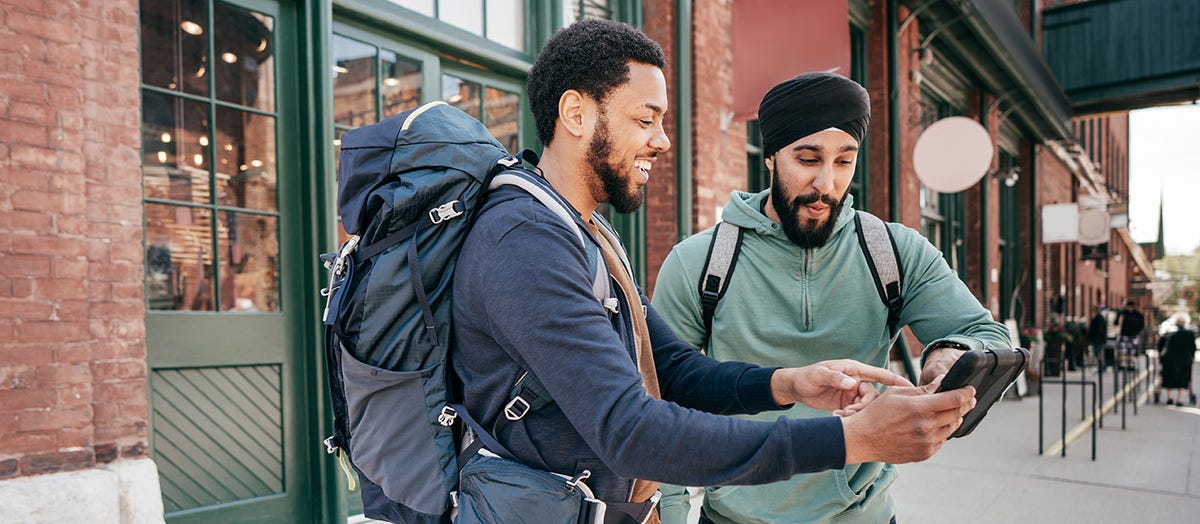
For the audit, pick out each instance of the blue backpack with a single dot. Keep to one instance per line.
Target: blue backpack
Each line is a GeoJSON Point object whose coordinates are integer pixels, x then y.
{"type": "Point", "coordinates": [409, 188]}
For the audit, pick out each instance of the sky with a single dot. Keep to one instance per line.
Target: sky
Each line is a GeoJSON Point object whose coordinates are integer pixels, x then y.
{"type": "Point", "coordinates": [1164, 156]}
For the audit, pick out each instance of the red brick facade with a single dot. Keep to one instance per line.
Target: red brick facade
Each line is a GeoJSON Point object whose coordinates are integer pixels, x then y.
{"type": "Point", "coordinates": [72, 335]}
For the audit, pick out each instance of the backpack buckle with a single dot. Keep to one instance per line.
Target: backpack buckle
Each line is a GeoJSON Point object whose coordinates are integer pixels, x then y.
{"type": "Point", "coordinates": [447, 417]}
{"type": "Point", "coordinates": [331, 446]}
{"type": "Point", "coordinates": [445, 212]}
{"type": "Point", "coordinates": [516, 409]}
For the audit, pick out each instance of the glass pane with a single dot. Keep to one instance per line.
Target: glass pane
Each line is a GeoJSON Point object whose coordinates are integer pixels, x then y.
{"type": "Point", "coordinates": [424, 7]}
{"type": "Point", "coordinates": [353, 82]}
{"type": "Point", "coordinates": [574, 10]}
{"type": "Point", "coordinates": [175, 148]}
{"type": "Point", "coordinates": [179, 261]}
{"type": "Point", "coordinates": [502, 116]}
{"type": "Point", "coordinates": [401, 83]}
{"type": "Point", "coordinates": [461, 94]}
{"type": "Point", "coordinates": [244, 66]}
{"type": "Point", "coordinates": [466, 14]}
{"type": "Point", "coordinates": [506, 23]}
{"type": "Point", "coordinates": [175, 45]}
{"type": "Point", "coordinates": [249, 247]}
{"type": "Point", "coordinates": [246, 174]}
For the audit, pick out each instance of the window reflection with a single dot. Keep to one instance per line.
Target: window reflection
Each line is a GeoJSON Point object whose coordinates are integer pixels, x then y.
{"type": "Point", "coordinates": [244, 46]}
{"type": "Point", "coordinates": [464, 14]}
{"type": "Point", "coordinates": [506, 23]}
{"type": "Point", "coordinates": [246, 174]}
{"type": "Point", "coordinates": [401, 84]}
{"type": "Point", "coordinates": [461, 94]}
{"type": "Point", "coordinates": [353, 82]}
{"type": "Point", "coordinates": [187, 155]}
{"type": "Point", "coordinates": [179, 258]}
{"type": "Point", "coordinates": [249, 262]}
{"type": "Point", "coordinates": [175, 148]}
{"type": "Point", "coordinates": [174, 43]}
{"type": "Point", "coordinates": [502, 116]}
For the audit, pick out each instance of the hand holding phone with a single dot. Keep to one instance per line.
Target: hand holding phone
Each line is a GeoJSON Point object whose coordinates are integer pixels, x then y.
{"type": "Point", "coordinates": [991, 372]}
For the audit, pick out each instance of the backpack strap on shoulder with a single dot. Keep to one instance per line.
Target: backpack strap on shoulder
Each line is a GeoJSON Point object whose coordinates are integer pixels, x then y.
{"type": "Point", "coordinates": [884, 261]}
{"type": "Point", "coordinates": [529, 183]}
{"type": "Point", "coordinates": [718, 267]}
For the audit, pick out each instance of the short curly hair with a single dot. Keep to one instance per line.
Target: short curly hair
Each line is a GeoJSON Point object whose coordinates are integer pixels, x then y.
{"type": "Point", "coordinates": [591, 56]}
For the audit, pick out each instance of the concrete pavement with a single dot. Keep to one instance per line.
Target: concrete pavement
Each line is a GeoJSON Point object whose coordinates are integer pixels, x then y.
{"type": "Point", "coordinates": [1147, 473]}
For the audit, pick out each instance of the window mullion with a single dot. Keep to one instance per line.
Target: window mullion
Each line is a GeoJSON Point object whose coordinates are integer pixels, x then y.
{"type": "Point", "coordinates": [214, 220]}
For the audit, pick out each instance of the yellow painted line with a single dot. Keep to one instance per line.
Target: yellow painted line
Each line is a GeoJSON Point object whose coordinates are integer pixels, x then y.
{"type": "Point", "coordinates": [1086, 425]}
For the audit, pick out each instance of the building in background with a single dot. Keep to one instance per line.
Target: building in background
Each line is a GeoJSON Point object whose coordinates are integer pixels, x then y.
{"type": "Point", "coordinates": [167, 179]}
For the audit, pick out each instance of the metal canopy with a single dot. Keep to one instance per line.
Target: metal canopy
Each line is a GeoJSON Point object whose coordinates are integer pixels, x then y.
{"type": "Point", "coordinates": [1118, 55]}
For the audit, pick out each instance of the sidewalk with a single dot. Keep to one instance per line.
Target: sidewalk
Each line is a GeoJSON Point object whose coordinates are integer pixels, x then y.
{"type": "Point", "coordinates": [1148, 472]}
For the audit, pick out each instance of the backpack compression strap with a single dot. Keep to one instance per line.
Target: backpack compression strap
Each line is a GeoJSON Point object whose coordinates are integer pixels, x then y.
{"type": "Point", "coordinates": [884, 261]}
{"type": "Point", "coordinates": [873, 237]}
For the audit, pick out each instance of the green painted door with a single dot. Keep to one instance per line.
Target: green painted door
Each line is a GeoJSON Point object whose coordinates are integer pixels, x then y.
{"type": "Point", "coordinates": [224, 318]}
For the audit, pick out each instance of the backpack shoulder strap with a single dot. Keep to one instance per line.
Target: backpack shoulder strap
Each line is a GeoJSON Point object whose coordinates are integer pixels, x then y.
{"type": "Point", "coordinates": [884, 261]}
{"type": "Point", "coordinates": [529, 183]}
{"type": "Point", "coordinates": [718, 267]}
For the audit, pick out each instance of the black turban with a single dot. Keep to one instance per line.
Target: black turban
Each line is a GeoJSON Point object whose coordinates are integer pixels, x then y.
{"type": "Point", "coordinates": [810, 103]}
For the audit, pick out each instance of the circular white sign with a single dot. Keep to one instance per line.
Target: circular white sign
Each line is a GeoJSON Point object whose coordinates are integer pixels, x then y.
{"type": "Point", "coordinates": [1093, 226]}
{"type": "Point", "coordinates": [952, 154]}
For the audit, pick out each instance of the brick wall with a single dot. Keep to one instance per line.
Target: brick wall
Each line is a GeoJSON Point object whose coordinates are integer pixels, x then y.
{"type": "Point", "coordinates": [661, 191]}
{"type": "Point", "coordinates": [720, 142]}
{"type": "Point", "coordinates": [1054, 186]}
{"type": "Point", "coordinates": [72, 341]}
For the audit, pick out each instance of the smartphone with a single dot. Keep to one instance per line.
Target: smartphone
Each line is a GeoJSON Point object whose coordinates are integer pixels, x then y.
{"type": "Point", "coordinates": [991, 371]}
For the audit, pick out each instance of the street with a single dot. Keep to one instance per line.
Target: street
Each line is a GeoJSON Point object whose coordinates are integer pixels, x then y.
{"type": "Point", "coordinates": [1148, 472]}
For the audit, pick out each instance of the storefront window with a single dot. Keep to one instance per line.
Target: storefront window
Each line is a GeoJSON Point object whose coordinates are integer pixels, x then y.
{"type": "Point", "coordinates": [501, 21]}
{"type": "Point", "coordinates": [205, 157]}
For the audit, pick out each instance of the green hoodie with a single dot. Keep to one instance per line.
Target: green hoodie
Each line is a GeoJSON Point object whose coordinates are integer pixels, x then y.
{"type": "Point", "coordinates": [789, 306]}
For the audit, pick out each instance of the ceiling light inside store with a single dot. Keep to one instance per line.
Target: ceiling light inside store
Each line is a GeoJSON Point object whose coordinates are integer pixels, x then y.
{"type": "Point", "coordinates": [256, 163]}
{"type": "Point", "coordinates": [391, 82]}
{"type": "Point", "coordinates": [166, 138]}
{"type": "Point", "coordinates": [204, 141]}
{"type": "Point", "coordinates": [228, 57]}
{"type": "Point", "coordinates": [262, 45]}
{"type": "Point", "coordinates": [198, 159]}
{"type": "Point", "coordinates": [191, 28]}
{"type": "Point", "coordinates": [340, 70]}
{"type": "Point", "coordinates": [200, 72]}
{"type": "Point", "coordinates": [162, 157]}
{"type": "Point", "coordinates": [243, 167]}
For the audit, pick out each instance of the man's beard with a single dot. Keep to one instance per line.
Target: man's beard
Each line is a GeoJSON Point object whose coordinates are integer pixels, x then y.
{"type": "Point", "coordinates": [615, 188]}
{"type": "Point", "coordinates": [804, 233]}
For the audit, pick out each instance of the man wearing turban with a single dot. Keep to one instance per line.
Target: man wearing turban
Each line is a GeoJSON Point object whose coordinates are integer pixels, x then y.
{"type": "Point", "coordinates": [803, 292]}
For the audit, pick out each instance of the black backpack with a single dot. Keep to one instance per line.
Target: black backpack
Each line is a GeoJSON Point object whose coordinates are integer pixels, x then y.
{"type": "Point", "coordinates": [873, 237]}
{"type": "Point", "coordinates": [409, 188]}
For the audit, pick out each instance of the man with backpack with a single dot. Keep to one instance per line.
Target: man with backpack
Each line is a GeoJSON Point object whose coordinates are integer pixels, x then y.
{"type": "Point", "coordinates": [794, 275]}
{"type": "Point", "coordinates": [580, 391]}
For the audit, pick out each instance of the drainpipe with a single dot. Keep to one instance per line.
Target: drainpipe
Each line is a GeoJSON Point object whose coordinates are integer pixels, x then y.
{"type": "Point", "coordinates": [985, 261]}
{"type": "Point", "coordinates": [683, 118]}
{"type": "Point", "coordinates": [893, 114]}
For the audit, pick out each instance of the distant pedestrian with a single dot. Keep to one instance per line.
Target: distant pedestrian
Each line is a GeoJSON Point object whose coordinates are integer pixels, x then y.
{"type": "Point", "coordinates": [1131, 322]}
{"type": "Point", "coordinates": [1097, 336]}
{"type": "Point", "coordinates": [1179, 352]}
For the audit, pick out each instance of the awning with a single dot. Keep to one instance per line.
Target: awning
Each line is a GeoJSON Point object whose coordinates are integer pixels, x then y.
{"type": "Point", "coordinates": [774, 40]}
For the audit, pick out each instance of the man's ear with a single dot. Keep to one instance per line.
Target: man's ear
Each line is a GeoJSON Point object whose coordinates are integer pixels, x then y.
{"type": "Point", "coordinates": [770, 162]}
{"type": "Point", "coordinates": [572, 112]}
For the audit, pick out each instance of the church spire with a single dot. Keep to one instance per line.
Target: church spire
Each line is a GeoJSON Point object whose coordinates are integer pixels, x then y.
{"type": "Point", "coordinates": [1160, 249]}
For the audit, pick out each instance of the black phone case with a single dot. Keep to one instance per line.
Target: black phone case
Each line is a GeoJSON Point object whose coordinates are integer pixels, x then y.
{"type": "Point", "coordinates": [991, 372]}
